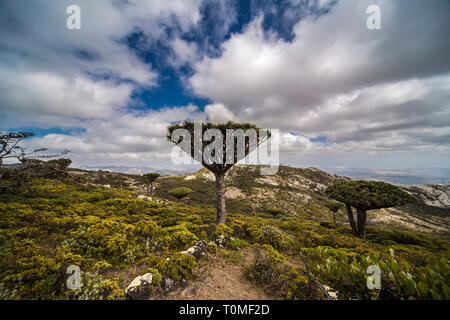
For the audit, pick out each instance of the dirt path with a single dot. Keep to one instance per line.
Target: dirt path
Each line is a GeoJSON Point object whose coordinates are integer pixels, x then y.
{"type": "Point", "coordinates": [218, 279]}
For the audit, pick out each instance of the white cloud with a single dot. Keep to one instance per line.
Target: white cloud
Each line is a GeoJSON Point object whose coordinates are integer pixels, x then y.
{"type": "Point", "coordinates": [218, 113]}
{"type": "Point", "coordinates": [364, 89]}
{"type": "Point", "coordinates": [138, 139]}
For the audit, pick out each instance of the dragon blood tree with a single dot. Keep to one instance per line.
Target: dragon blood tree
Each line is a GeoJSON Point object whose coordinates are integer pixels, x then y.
{"type": "Point", "coordinates": [366, 195]}
{"type": "Point", "coordinates": [217, 147]}
{"type": "Point", "coordinates": [149, 179]}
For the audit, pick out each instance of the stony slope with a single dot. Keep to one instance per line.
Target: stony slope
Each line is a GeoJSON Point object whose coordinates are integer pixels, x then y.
{"type": "Point", "coordinates": [300, 192]}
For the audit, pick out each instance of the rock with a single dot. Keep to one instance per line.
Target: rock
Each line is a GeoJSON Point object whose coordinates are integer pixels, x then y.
{"type": "Point", "coordinates": [183, 283]}
{"type": "Point", "coordinates": [168, 283]}
{"type": "Point", "coordinates": [189, 291]}
{"type": "Point", "coordinates": [139, 287]}
{"type": "Point", "coordinates": [198, 250]}
{"type": "Point", "coordinates": [142, 197]}
{"type": "Point", "coordinates": [221, 241]}
{"type": "Point", "coordinates": [432, 195]}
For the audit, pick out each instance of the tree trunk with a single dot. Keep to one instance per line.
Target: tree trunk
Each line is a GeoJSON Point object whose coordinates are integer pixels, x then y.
{"type": "Point", "coordinates": [150, 189]}
{"type": "Point", "coordinates": [351, 219]}
{"type": "Point", "coordinates": [220, 197]}
{"type": "Point", "coordinates": [334, 218]}
{"type": "Point", "coordinates": [361, 222]}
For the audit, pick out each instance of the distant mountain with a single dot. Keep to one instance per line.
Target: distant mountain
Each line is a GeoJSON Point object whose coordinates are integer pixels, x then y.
{"type": "Point", "coordinates": [138, 170]}
{"type": "Point", "coordinates": [396, 176]}
{"type": "Point", "coordinates": [12, 165]}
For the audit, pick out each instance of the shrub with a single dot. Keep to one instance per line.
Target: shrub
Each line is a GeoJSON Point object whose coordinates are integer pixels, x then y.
{"type": "Point", "coordinates": [345, 271]}
{"type": "Point", "coordinates": [269, 271]}
{"type": "Point", "coordinates": [156, 276]}
{"type": "Point", "coordinates": [235, 243]}
{"type": "Point", "coordinates": [301, 288]}
{"type": "Point", "coordinates": [180, 193]}
{"type": "Point", "coordinates": [96, 288]}
{"type": "Point", "coordinates": [221, 230]}
{"type": "Point", "coordinates": [179, 266]}
{"type": "Point", "coordinates": [275, 211]}
{"type": "Point", "coordinates": [147, 228]}
{"type": "Point", "coordinates": [182, 239]}
{"type": "Point", "coordinates": [328, 225]}
{"type": "Point", "coordinates": [273, 236]}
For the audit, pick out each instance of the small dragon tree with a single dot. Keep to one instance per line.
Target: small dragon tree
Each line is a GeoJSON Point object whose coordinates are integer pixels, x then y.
{"type": "Point", "coordinates": [366, 195]}
{"type": "Point", "coordinates": [334, 207]}
{"type": "Point", "coordinates": [217, 147]}
{"type": "Point", "coordinates": [180, 193]}
{"type": "Point", "coordinates": [148, 179]}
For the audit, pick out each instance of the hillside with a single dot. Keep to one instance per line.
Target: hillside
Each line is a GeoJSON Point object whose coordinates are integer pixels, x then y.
{"type": "Point", "coordinates": [95, 220]}
{"type": "Point", "coordinates": [299, 192]}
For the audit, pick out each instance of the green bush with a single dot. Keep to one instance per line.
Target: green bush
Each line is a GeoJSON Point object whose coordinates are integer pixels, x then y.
{"type": "Point", "coordinates": [328, 225]}
{"type": "Point", "coordinates": [275, 211]}
{"type": "Point", "coordinates": [179, 266]}
{"type": "Point", "coordinates": [235, 243]}
{"type": "Point", "coordinates": [182, 239]}
{"type": "Point", "coordinates": [221, 230]}
{"type": "Point", "coordinates": [269, 272]}
{"type": "Point", "coordinates": [180, 193]}
{"type": "Point", "coordinates": [345, 272]}
{"type": "Point", "coordinates": [96, 288]}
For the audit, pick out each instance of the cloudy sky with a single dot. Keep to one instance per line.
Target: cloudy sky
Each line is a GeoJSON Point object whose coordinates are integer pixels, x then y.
{"type": "Point", "coordinates": [341, 94]}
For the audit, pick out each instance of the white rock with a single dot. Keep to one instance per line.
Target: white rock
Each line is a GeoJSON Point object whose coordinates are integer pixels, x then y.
{"type": "Point", "coordinates": [138, 287]}
{"type": "Point", "coordinates": [142, 197]}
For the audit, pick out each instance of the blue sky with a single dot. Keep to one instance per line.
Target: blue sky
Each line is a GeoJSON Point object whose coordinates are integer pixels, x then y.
{"type": "Point", "coordinates": [340, 94]}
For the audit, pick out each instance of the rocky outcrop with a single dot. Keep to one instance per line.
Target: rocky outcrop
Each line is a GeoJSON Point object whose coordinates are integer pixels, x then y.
{"type": "Point", "coordinates": [432, 195]}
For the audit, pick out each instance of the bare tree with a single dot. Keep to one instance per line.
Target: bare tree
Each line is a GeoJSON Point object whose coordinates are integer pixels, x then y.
{"type": "Point", "coordinates": [14, 178]}
{"type": "Point", "coordinates": [10, 148]}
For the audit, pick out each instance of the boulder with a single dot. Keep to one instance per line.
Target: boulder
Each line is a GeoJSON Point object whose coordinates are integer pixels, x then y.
{"type": "Point", "coordinates": [198, 250]}
{"type": "Point", "coordinates": [221, 241]}
{"type": "Point", "coordinates": [139, 287]}
{"type": "Point", "coordinates": [142, 197]}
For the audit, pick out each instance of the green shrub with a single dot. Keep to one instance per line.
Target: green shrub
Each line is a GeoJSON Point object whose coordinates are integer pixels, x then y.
{"type": "Point", "coordinates": [235, 243]}
{"type": "Point", "coordinates": [156, 276]}
{"type": "Point", "coordinates": [275, 211]}
{"type": "Point", "coordinates": [328, 225]}
{"type": "Point", "coordinates": [269, 272]}
{"type": "Point", "coordinates": [221, 230]}
{"type": "Point", "coordinates": [147, 228]}
{"type": "Point", "coordinates": [179, 266]}
{"type": "Point", "coordinates": [182, 239]}
{"type": "Point", "coordinates": [300, 287]}
{"type": "Point", "coordinates": [180, 193]}
{"type": "Point", "coordinates": [96, 288]}
{"type": "Point", "coordinates": [345, 272]}
{"type": "Point", "coordinates": [273, 236]}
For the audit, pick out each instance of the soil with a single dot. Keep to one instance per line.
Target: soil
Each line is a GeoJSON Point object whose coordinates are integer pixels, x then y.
{"type": "Point", "coordinates": [219, 279]}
